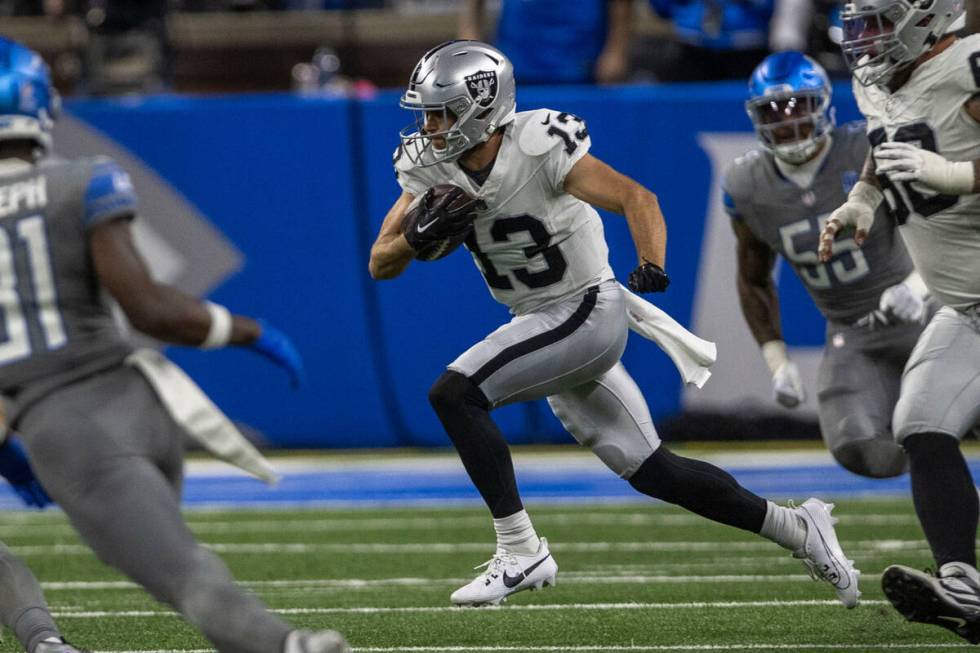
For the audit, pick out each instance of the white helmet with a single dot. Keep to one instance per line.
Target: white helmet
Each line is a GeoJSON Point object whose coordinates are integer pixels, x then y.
{"type": "Point", "coordinates": [471, 81]}
{"type": "Point", "coordinates": [883, 36]}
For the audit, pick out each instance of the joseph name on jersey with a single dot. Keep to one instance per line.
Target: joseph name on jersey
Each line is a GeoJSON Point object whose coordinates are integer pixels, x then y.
{"type": "Point", "coordinates": [534, 243]}
{"type": "Point", "coordinates": [789, 219]}
{"type": "Point", "coordinates": [55, 324]}
{"type": "Point", "coordinates": [30, 195]}
{"type": "Point", "coordinates": [942, 232]}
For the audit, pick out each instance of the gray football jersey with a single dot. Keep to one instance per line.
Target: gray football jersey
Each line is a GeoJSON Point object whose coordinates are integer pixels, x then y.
{"type": "Point", "coordinates": [789, 220]}
{"type": "Point", "coordinates": [55, 324]}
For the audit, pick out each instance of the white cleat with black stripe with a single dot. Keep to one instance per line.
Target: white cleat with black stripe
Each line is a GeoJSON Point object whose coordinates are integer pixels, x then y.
{"type": "Point", "coordinates": [507, 573]}
{"type": "Point", "coordinates": [822, 553]}
{"type": "Point", "coordinates": [951, 600]}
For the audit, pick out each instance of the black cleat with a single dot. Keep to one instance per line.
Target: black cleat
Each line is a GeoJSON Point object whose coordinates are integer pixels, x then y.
{"type": "Point", "coordinates": [951, 601]}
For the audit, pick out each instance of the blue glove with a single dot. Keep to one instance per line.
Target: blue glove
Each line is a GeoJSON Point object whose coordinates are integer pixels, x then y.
{"type": "Point", "coordinates": [278, 348]}
{"type": "Point", "coordinates": [15, 468]}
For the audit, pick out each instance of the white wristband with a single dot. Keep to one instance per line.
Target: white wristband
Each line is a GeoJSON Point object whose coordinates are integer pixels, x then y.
{"type": "Point", "coordinates": [866, 194]}
{"type": "Point", "coordinates": [775, 354]}
{"type": "Point", "coordinates": [958, 179]}
{"type": "Point", "coordinates": [220, 332]}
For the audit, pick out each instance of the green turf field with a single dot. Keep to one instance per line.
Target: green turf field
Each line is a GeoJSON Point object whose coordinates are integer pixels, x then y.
{"type": "Point", "coordinates": [633, 578]}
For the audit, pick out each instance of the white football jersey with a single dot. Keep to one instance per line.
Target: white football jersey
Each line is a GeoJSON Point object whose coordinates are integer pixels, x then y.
{"type": "Point", "coordinates": [534, 243]}
{"type": "Point", "coordinates": [942, 232]}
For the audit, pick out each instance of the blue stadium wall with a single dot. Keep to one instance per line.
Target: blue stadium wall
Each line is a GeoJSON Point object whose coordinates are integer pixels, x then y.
{"type": "Point", "coordinates": [300, 185]}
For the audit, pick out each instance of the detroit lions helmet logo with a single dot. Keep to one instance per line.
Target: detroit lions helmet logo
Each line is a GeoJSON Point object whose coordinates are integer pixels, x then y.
{"type": "Point", "coordinates": [482, 87]}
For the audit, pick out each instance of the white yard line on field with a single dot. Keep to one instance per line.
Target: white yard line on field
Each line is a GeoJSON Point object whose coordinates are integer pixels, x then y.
{"type": "Point", "coordinates": [654, 647]}
{"type": "Point", "coordinates": [327, 525]}
{"type": "Point", "coordinates": [601, 648]}
{"type": "Point", "coordinates": [693, 605]}
{"type": "Point", "coordinates": [354, 583]}
{"type": "Point", "coordinates": [428, 548]}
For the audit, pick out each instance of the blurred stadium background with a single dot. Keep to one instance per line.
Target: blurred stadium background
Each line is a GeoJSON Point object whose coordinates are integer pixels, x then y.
{"type": "Point", "coordinates": [259, 136]}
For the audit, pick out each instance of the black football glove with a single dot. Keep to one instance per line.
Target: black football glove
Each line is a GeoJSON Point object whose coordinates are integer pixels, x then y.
{"type": "Point", "coordinates": [442, 217]}
{"type": "Point", "coordinates": [648, 277]}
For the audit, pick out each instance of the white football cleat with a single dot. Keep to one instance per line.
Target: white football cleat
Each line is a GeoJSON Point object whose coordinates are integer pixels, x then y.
{"type": "Point", "coordinates": [821, 552]}
{"type": "Point", "coordinates": [507, 573]}
{"type": "Point", "coordinates": [321, 641]}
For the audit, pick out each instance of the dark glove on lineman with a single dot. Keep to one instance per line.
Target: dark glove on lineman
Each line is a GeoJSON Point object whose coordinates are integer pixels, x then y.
{"type": "Point", "coordinates": [439, 220]}
{"type": "Point", "coordinates": [15, 468]}
{"type": "Point", "coordinates": [648, 277]}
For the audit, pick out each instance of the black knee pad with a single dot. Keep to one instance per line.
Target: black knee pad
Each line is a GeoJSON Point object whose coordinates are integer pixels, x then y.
{"type": "Point", "coordinates": [452, 392]}
{"type": "Point", "coordinates": [876, 458]}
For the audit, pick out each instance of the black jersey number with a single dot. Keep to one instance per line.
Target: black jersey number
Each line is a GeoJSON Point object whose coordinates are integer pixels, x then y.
{"type": "Point", "coordinates": [903, 199]}
{"type": "Point", "coordinates": [569, 128]}
{"type": "Point", "coordinates": [37, 291]}
{"type": "Point", "coordinates": [975, 67]}
{"type": "Point", "coordinates": [501, 230]}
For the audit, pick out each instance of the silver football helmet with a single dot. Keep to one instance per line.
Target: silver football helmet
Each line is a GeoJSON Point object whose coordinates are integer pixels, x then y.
{"type": "Point", "coordinates": [883, 36]}
{"type": "Point", "coordinates": [471, 86]}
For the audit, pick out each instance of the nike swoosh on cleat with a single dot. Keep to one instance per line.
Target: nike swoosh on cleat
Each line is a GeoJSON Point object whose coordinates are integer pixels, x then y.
{"type": "Point", "coordinates": [513, 581]}
{"type": "Point", "coordinates": [958, 621]}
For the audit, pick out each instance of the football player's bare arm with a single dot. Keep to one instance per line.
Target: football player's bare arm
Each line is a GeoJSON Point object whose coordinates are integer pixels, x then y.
{"type": "Point", "coordinates": [391, 253]}
{"type": "Point", "coordinates": [153, 308]}
{"type": "Point", "coordinates": [756, 290]}
{"type": "Point", "coordinates": [471, 20]}
{"type": "Point", "coordinates": [592, 181]}
{"type": "Point", "coordinates": [868, 174]}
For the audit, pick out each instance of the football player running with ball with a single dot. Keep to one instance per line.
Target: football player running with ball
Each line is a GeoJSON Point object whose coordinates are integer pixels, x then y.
{"type": "Point", "coordinates": [873, 300]}
{"type": "Point", "coordinates": [539, 244]}
{"type": "Point", "coordinates": [919, 89]}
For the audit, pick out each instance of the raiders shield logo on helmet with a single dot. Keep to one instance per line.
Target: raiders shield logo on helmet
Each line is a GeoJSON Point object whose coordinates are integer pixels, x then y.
{"type": "Point", "coordinates": [482, 87]}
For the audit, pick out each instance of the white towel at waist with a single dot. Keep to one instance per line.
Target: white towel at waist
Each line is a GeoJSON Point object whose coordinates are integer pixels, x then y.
{"type": "Point", "coordinates": [692, 355]}
{"type": "Point", "coordinates": [197, 414]}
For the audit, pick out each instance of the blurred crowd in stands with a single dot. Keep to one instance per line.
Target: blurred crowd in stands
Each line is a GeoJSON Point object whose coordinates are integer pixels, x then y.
{"type": "Point", "coordinates": [129, 45]}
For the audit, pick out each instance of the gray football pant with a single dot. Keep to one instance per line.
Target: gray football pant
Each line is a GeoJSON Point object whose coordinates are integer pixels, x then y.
{"type": "Point", "coordinates": [109, 453]}
{"type": "Point", "coordinates": [858, 387]}
{"type": "Point", "coordinates": [941, 385]}
{"type": "Point", "coordinates": [22, 606]}
{"type": "Point", "coordinates": [569, 352]}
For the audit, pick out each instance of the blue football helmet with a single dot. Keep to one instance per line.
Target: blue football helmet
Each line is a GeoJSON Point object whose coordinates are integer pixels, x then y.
{"type": "Point", "coordinates": [789, 104]}
{"type": "Point", "coordinates": [28, 102]}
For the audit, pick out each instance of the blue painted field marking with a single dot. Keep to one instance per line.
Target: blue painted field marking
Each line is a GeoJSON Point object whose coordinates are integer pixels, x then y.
{"type": "Point", "coordinates": [407, 484]}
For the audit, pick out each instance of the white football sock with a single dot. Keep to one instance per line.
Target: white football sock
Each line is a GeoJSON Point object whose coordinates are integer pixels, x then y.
{"type": "Point", "coordinates": [515, 533]}
{"type": "Point", "coordinates": [784, 527]}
